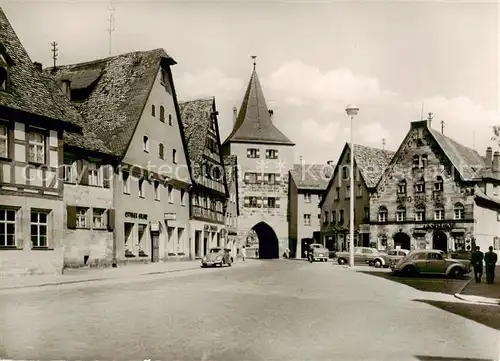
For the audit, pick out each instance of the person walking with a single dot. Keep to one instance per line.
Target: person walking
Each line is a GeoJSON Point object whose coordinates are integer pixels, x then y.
{"type": "Point", "coordinates": [243, 253]}
{"type": "Point", "coordinates": [476, 260]}
{"type": "Point", "coordinates": [490, 260]}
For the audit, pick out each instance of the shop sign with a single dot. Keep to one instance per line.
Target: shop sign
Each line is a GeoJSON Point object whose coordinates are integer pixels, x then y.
{"type": "Point", "coordinates": [210, 228]}
{"type": "Point", "coordinates": [438, 197]}
{"type": "Point", "coordinates": [170, 216]}
{"type": "Point", "coordinates": [136, 215]}
{"type": "Point", "coordinates": [434, 226]}
{"type": "Point", "coordinates": [155, 226]}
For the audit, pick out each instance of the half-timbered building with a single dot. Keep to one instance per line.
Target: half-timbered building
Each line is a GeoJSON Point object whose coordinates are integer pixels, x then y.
{"type": "Point", "coordinates": [232, 209]}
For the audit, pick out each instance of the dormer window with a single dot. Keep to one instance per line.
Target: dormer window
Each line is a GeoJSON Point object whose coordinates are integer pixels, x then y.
{"type": "Point", "coordinates": [438, 185]}
{"type": "Point", "coordinates": [402, 187]}
{"type": "Point", "coordinates": [423, 161]}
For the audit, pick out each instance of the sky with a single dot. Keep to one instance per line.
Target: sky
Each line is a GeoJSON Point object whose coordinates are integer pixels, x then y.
{"type": "Point", "coordinates": [313, 58]}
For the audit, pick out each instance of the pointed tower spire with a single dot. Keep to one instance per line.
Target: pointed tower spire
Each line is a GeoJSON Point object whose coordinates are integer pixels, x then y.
{"type": "Point", "coordinates": [253, 124]}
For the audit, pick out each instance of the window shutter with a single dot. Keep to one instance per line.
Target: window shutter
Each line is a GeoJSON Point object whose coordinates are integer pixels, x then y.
{"type": "Point", "coordinates": [277, 204]}
{"type": "Point", "coordinates": [84, 174]}
{"type": "Point", "coordinates": [259, 177]}
{"type": "Point", "coordinates": [278, 177]}
{"type": "Point", "coordinates": [106, 175]}
{"type": "Point", "coordinates": [111, 219]}
{"type": "Point", "coordinates": [249, 153]}
{"type": "Point", "coordinates": [276, 153]}
{"type": "Point", "coordinates": [71, 217]}
{"type": "Point", "coordinates": [258, 152]}
{"type": "Point", "coordinates": [247, 201]}
{"type": "Point", "coordinates": [264, 202]}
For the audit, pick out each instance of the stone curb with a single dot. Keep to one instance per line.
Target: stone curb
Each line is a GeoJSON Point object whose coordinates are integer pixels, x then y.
{"type": "Point", "coordinates": [476, 299]}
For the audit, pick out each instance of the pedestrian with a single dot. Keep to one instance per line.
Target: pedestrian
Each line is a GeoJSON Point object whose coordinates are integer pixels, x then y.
{"type": "Point", "coordinates": [257, 253]}
{"type": "Point", "coordinates": [243, 253]}
{"type": "Point", "coordinates": [490, 260]}
{"type": "Point", "coordinates": [287, 253]}
{"type": "Point", "coordinates": [476, 260]}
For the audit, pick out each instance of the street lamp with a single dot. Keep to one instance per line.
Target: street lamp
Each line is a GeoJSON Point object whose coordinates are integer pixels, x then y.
{"type": "Point", "coordinates": [351, 111]}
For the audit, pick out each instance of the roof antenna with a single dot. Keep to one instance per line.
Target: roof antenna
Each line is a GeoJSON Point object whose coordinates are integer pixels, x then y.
{"type": "Point", "coordinates": [253, 57]}
{"type": "Point", "coordinates": [111, 21]}
{"type": "Point", "coordinates": [54, 52]}
{"type": "Point", "coordinates": [383, 143]}
{"type": "Point", "coordinates": [442, 126]}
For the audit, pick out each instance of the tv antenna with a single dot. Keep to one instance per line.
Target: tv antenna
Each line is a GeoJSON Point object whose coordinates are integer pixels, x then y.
{"type": "Point", "coordinates": [54, 52]}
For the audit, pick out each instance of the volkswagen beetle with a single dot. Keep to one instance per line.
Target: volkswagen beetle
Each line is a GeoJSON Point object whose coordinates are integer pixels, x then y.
{"type": "Point", "coordinates": [217, 257]}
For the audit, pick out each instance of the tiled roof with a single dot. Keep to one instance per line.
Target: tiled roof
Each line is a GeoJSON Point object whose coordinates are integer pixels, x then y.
{"type": "Point", "coordinates": [27, 91]}
{"type": "Point", "coordinates": [491, 202]}
{"type": "Point", "coordinates": [85, 140]}
{"type": "Point", "coordinates": [312, 176]}
{"type": "Point", "coordinates": [253, 123]}
{"type": "Point", "coordinates": [371, 162]}
{"type": "Point", "coordinates": [116, 90]}
{"type": "Point", "coordinates": [467, 161]}
{"type": "Point", "coordinates": [196, 119]}
{"type": "Point", "coordinates": [229, 165]}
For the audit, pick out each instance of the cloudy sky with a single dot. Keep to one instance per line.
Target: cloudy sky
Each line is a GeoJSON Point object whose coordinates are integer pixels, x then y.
{"type": "Point", "coordinates": [313, 59]}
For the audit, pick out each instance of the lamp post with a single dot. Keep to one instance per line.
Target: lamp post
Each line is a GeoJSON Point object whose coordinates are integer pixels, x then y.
{"type": "Point", "coordinates": [351, 111]}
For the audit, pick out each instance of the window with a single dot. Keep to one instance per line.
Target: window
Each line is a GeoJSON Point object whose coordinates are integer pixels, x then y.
{"type": "Point", "coordinates": [307, 197]}
{"type": "Point", "coordinates": [4, 142]}
{"type": "Point", "coordinates": [423, 161]}
{"type": "Point", "coordinates": [344, 172]}
{"type": "Point", "coordinates": [307, 219]}
{"type": "Point", "coordinates": [170, 119]}
{"type": "Point", "coordinates": [174, 156]}
{"type": "Point", "coordinates": [382, 214]}
{"type": "Point", "coordinates": [253, 201]}
{"type": "Point", "coordinates": [366, 215]}
{"type": "Point", "coordinates": [458, 211]}
{"type": "Point", "coordinates": [420, 214]}
{"type": "Point", "coordinates": [400, 214]}
{"type": "Point", "coordinates": [39, 223]}
{"type": "Point", "coordinates": [438, 185]}
{"type": "Point", "coordinates": [141, 188]}
{"type": "Point", "coordinates": [161, 150]}
{"type": "Point", "coordinates": [7, 228]}
{"type": "Point", "coordinates": [252, 153]}
{"type": "Point", "coordinates": [420, 186]}
{"type": "Point", "coordinates": [416, 161]}
{"type": "Point", "coordinates": [95, 178]}
{"type": "Point", "coordinates": [145, 143]}
{"type": "Point", "coordinates": [271, 202]}
{"type": "Point", "coordinates": [270, 178]}
{"type": "Point", "coordinates": [157, 190]}
{"type": "Point", "coordinates": [182, 197]}
{"type": "Point", "coordinates": [4, 76]}
{"type": "Point", "coordinates": [360, 190]}
{"type": "Point", "coordinates": [81, 217]}
{"type": "Point", "coordinates": [162, 114]}
{"type": "Point", "coordinates": [153, 110]}
{"type": "Point", "coordinates": [69, 170]}
{"type": "Point", "coordinates": [341, 216]}
{"type": "Point", "coordinates": [37, 148]}
{"type": "Point", "coordinates": [251, 177]}
{"type": "Point", "coordinates": [126, 182]}
{"type": "Point", "coordinates": [439, 213]}
{"type": "Point", "coordinates": [402, 187]}
{"type": "Point", "coordinates": [271, 154]}
{"type": "Point", "coordinates": [98, 221]}
{"type": "Point", "coordinates": [435, 256]}
{"type": "Point", "coordinates": [337, 193]}
{"type": "Point", "coordinates": [170, 194]}
{"type": "Point", "coordinates": [326, 217]}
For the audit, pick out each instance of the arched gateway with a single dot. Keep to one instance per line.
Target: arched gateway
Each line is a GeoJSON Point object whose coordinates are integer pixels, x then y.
{"type": "Point", "coordinates": [268, 241]}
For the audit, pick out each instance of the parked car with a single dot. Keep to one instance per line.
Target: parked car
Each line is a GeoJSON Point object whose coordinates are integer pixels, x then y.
{"type": "Point", "coordinates": [364, 255]}
{"type": "Point", "coordinates": [431, 261]}
{"type": "Point", "coordinates": [217, 257]}
{"type": "Point", "coordinates": [317, 252]}
{"type": "Point", "coordinates": [394, 255]}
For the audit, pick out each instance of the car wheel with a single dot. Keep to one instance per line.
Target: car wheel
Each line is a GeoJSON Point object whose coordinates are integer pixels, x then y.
{"type": "Point", "coordinates": [377, 263]}
{"type": "Point", "coordinates": [409, 271]}
{"type": "Point", "coordinates": [342, 261]}
{"type": "Point", "coordinates": [457, 272]}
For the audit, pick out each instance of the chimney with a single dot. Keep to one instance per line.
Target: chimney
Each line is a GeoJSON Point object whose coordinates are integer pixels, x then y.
{"type": "Point", "coordinates": [329, 162]}
{"type": "Point", "coordinates": [38, 66]}
{"type": "Point", "coordinates": [489, 157]}
{"type": "Point", "coordinates": [66, 87]}
{"type": "Point", "coordinates": [429, 119]}
{"type": "Point", "coordinates": [235, 115]}
{"type": "Point", "coordinates": [495, 167]}
{"type": "Point", "coordinates": [271, 113]}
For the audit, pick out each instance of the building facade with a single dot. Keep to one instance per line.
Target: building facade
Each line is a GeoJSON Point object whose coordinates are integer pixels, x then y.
{"type": "Point", "coordinates": [307, 184]}
{"type": "Point", "coordinates": [425, 199]}
{"type": "Point", "coordinates": [232, 209]}
{"type": "Point", "coordinates": [140, 124]}
{"type": "Point", "coordinates": [369, 164]}
{"type": "Point", "coordinates": [209, 192]}
{"type": "Point", "coordinates": [265, 155]}
{"type": "Point", "coordinates": [31, 146]}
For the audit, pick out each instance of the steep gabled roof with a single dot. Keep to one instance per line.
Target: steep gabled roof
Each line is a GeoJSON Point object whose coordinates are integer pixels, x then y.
{"type": "Point", "coordinates": [197, 117]}
{"type": "Point", "coordinates": [253, 124]}
{"type": "Point", "coordinates": [112, 92]}
{"type": "Point", "coordinates": [312, 176]}
{"type": "Point", "coordinates": [26, 89]}
{"type": "Point", "coordinates": [371, 163]}
{"type": "Point", "coordinates": [86, 139]}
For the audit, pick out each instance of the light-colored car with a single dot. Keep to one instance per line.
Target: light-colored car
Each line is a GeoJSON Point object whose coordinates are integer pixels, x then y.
{"type": "Point", "coordinates": [431, 261]}
{"type": "Point", "coordinates": [363, 255]}
{"type": "Point", "coordinates": [217, 257]}
{"type": "Point", "coordinates": [395, 255]}
{"type": "Point", "coordinates": [317, 252]}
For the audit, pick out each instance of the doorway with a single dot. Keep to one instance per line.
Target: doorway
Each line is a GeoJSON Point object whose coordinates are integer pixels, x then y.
{"type": "Point", "coordinates": [155, 246]}
{"type": "Point", "coordinates": [440, 241]}
{"type": "Point", "coordinates": [197, 244]}
{"type": "Point", "coordinates": [268, 241]}
{"type": "Point", "coordinates": [402, 240]}
{"type": "Point", "coordinates": [205, 243]}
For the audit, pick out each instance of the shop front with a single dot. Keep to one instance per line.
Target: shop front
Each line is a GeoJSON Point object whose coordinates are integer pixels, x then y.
{"type": "Point", "coordinates": [206, 235]}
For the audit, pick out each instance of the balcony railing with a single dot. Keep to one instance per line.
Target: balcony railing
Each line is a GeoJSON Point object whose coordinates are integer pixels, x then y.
{"type": "Point", "coordinates": [207, 215]}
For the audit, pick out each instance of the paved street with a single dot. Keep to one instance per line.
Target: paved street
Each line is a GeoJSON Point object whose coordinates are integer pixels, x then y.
{"type": "Point", "coordinates": [269, 310]}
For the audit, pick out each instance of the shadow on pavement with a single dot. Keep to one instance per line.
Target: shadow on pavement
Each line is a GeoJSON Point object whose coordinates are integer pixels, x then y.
{"type": "Point", "coordinates": [488, 315]}
{"type": "Point", "coordinates": [424, 283]}
{"type": "Point", "coordinates": [439, 358]}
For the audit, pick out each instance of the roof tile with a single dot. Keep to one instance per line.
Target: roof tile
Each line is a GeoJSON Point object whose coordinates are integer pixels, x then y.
{"type": "Point", "coordinates": [312, 176]}
{"type": "Point", "coordinates": [372, 163]}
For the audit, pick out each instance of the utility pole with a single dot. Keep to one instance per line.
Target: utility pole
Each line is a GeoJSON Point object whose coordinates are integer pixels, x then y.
{"type": "Point", "coordinates": [442, 126]}
{"type": "Point", "coordinates": [54, 52]}
{"type": "Point", "coordinates": [111, 21]}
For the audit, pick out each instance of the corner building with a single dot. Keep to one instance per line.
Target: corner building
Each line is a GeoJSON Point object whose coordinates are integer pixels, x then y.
{"type": "Point", "coordinates": [265, 156]}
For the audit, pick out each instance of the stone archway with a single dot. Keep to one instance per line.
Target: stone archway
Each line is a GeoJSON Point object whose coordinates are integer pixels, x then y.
{"type": "Point", "coordinates": [403, 240]}
{"type": "Point", "coordinates": [268, 241]}
{"type": "Point", "coordinates": [440, 241]}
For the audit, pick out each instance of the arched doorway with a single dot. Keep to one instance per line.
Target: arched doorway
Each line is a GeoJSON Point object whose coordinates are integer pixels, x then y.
{"type": "Point", "coordinates": [403, 240]}
{"type": "Point", "coordinates": [268, 241]}
{"type": "Point", "coordinates": [440, 241]}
